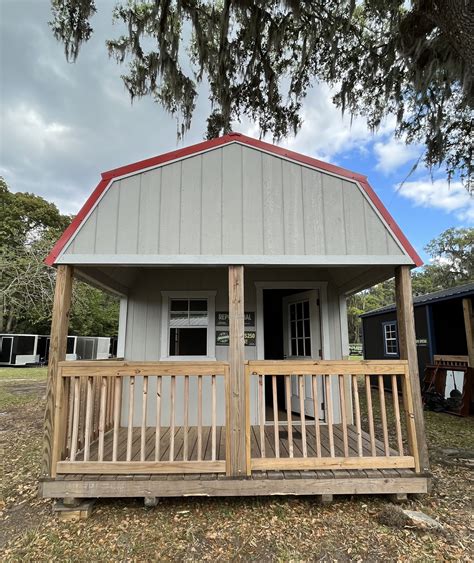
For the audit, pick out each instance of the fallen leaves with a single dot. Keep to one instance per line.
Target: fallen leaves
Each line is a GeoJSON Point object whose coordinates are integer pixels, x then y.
{"type": "Point", "coordinates": [252, 529]}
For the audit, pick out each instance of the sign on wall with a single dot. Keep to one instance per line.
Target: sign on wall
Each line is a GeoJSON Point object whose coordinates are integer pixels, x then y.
{"type": "Point", "coordinates": [222, 318]}
{"type": "Point", "coordinates": [222, 338]}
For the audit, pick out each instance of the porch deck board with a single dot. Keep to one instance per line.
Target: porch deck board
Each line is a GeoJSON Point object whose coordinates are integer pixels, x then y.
{"type": "Point", "coordinates": [221, 446]}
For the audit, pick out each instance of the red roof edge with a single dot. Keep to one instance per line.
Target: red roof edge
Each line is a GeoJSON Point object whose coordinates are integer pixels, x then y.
{"type": "Point", "coordinates": [75, 223]}
{"type": "Point", "coordinates": [392, 223]}
{"type": "Point", "coordinates": [214, 143]}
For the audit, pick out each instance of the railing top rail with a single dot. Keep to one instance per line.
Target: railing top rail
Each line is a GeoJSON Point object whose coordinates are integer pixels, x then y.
{"type": "Point", "coordinates": [124, 369]}
{"type": "Point", "coordinates": [128, 363]}
{"type": "Point", "coordinates": [323, 367]}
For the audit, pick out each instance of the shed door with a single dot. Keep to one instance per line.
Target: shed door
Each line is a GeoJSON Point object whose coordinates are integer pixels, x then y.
{"type": "Point", "coordinates": [302, 340]}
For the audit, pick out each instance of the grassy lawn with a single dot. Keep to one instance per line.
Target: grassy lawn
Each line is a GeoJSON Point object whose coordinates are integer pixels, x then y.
{"type": "Point", "coordinates": [20, 385]}
{"type": "Point", "coordinates": [265, 529]}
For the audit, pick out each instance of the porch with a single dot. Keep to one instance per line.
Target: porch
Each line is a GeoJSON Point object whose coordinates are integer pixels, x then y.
{"type": "Point", "coordinates": [99, 450]}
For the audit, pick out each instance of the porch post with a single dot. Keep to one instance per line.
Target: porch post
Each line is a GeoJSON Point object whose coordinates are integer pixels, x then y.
{"type": "Point", "coordinates": [407, 345]}
{"type": "Point", "coordinates": [469, 326]}
{"type": "Point", "coordinates": [57, 353]}
{"type": "Point", "coordinates": [236, 389]}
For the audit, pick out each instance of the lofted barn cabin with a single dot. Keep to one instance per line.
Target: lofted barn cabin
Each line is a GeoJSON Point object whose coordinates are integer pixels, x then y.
{"type": "Point", "coordinates": [233, 259]}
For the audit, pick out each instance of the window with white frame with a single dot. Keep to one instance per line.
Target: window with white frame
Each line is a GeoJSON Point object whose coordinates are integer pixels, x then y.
{"type": "Point", "coordinates": [390, 339]}
{"type": "Point", "coordinates": [188, 325]}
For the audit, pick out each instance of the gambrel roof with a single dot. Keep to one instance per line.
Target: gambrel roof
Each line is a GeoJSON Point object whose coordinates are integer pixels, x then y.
{"type": "Point", "coordinates": [233, 199]}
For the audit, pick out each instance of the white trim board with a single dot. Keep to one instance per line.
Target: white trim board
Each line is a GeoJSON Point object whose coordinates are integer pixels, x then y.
{"type": "Point", "coordinates": [211, 327]}
{"type": "Point", "coordinates": [217, 259]}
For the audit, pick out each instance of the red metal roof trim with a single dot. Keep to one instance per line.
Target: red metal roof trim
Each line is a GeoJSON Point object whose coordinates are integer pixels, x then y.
{"type": "Point", "coordinates": [108, 176]}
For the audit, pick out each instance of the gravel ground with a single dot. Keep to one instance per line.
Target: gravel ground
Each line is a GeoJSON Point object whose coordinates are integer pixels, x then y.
{"type": "Point", "coordinates": [235, 529]}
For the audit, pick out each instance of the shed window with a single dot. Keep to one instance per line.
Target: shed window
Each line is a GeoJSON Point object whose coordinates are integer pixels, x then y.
{"type": "Point", "coordinates": [188, 323]}
{"type": "Point", "coordinates": [390, 339]}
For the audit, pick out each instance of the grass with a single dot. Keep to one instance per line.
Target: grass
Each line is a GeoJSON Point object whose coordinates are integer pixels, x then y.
{"type": "Point", "coordinates": [252, 529]}
{"type": "Point", "coordinates": [20, 385]}
{"type": "Point", "coordinates": [30, 374]}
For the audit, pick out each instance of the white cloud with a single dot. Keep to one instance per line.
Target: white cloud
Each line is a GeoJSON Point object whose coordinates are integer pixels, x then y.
{"type": "Point", "coordinates": [324, 132]}
{"type": "Point", "coordinates": [392, 153]}
{"type": "Point", "coordinates": [439, 194]}
{"type": "Point", "coordinates": [34, 132]}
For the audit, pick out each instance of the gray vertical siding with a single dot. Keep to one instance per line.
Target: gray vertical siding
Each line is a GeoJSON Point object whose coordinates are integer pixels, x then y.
{"type": "Point", "coordinates": [234, 200]}
{"type": "Point", "coordinates": [143, 327]}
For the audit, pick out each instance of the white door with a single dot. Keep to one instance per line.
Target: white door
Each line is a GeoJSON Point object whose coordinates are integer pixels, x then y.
{"type": "Point", "coordinates": [302, 340]}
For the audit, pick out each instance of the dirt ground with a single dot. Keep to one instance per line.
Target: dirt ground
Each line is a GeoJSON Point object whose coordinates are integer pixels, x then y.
{"type": "Point", "coordinates": [253, 529]}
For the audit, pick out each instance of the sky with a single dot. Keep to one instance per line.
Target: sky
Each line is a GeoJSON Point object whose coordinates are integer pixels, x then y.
{"type": "Point", "coordinates": [62, 124]}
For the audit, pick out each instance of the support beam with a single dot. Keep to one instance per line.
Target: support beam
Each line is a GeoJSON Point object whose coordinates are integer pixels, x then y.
{"type": "Point", "coordinates": [236, 397]}
{"type": "Point", "coordinates": [57, 353]}
{"type": "Point", "coordinates": [407, 345]}
{"type": "Point", "coordinates": [469, 325]}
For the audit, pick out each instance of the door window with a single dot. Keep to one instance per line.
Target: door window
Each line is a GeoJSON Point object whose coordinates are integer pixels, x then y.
{"type": "Point", "coordinates": [300, 328]}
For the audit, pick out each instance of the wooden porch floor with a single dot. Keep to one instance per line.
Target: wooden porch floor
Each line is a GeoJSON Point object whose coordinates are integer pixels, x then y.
{"type": "Point", "coordinates": [220, 443]}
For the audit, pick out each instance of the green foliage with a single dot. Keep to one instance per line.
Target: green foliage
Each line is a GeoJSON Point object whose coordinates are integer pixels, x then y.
{"type": "Point", "coordinates": [29, 226]}
{"type": "Point", "coordinates": [413, 60]}
{"type": "Point", "coordinates": [452, 264]}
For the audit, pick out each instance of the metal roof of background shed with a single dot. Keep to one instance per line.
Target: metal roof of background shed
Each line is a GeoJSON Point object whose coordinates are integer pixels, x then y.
{"type": "Point", "coordinates": [435, 297]}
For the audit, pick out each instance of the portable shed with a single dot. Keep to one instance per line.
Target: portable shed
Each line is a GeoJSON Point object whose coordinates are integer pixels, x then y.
{"type": "Point", "coordinates": [233, 259]}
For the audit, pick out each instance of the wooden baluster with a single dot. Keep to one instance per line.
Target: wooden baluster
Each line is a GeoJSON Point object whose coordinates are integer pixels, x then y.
{"type": "Point", "coordinates": [383, 414]}
{"type": "Point", "coordinates": [102, 413]}
{"type": "Point", "coordinates": [214, 409]}
{"type": "Point", "coordinates": [370, 415]}
{"type": "Point", "coordinates": [199, 444]}
{"type": "Point", "coordinates": [158, 418]}
{"type": "Point", "coordinates": [95, 418]}
{"type": "Point", "coordinates": [355, 393]}
{"type": "Point", "coordinates": [110, 401]}
{"type": "Point", "coordinates": [329, 414]}
{"type": "Point", "coordinates": [172, 415]}
{"type": "Point", "coordinates": [75, 418]}
{"type": "Point", "coordinates": [396, 410]}
{"type": "Point", "coordinates": [131, 402]}
{"type": "Point", "coordinates": [342, 404]}
{"type": "Point", "coordinates": [302, 394]}
{"type": "Point", "coordinates": [82, 414]}
{"type": "Point", "coordinates": [186, 417]}
{"type": "Point", "coordinates": [144, 414]}
{"type": "Point", "coordinates": [88, 421]}
{"type": "Point", "coordinates": [261, 410]}
{"type": "Point", "coordinates": [275, 416]}
{"type": "Point", "coordinates": [317, 430]}
{"type": "Point", "coordinates": [288, 414]}
{"type": "Point", "coordinates": [117, 414]}
{"type": "Point", "coordinates": [69, 417]}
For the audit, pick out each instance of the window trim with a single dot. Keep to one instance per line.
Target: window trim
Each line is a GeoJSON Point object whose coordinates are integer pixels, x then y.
{"type": "Point", "coordinates": [384, 333]}
{"type": "Point", "coordinates": [166, 297]}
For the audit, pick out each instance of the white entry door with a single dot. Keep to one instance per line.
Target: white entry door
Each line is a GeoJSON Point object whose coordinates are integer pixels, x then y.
{"type": "Point", "coordinates": [302, 340]}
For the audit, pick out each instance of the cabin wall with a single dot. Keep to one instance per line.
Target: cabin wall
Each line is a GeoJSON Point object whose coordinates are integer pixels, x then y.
{"type": "Point", "coordinates": [143, 324]}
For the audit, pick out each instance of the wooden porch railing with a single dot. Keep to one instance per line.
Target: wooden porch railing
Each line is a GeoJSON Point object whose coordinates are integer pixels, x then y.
{"type": "Point", "coordinates": [95, 427]}
{"type": "Point", "coordinates": [369, 432]}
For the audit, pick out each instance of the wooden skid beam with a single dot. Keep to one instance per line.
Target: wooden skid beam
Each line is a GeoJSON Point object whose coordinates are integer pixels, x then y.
{"type": "Point", "coordinates": [231, 487]}
{"type": "Point", "coordinates": [139, 467]}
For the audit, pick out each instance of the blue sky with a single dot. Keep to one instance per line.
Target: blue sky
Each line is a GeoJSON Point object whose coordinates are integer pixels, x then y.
{"type": "Point", "coordinates": [62, 124]}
